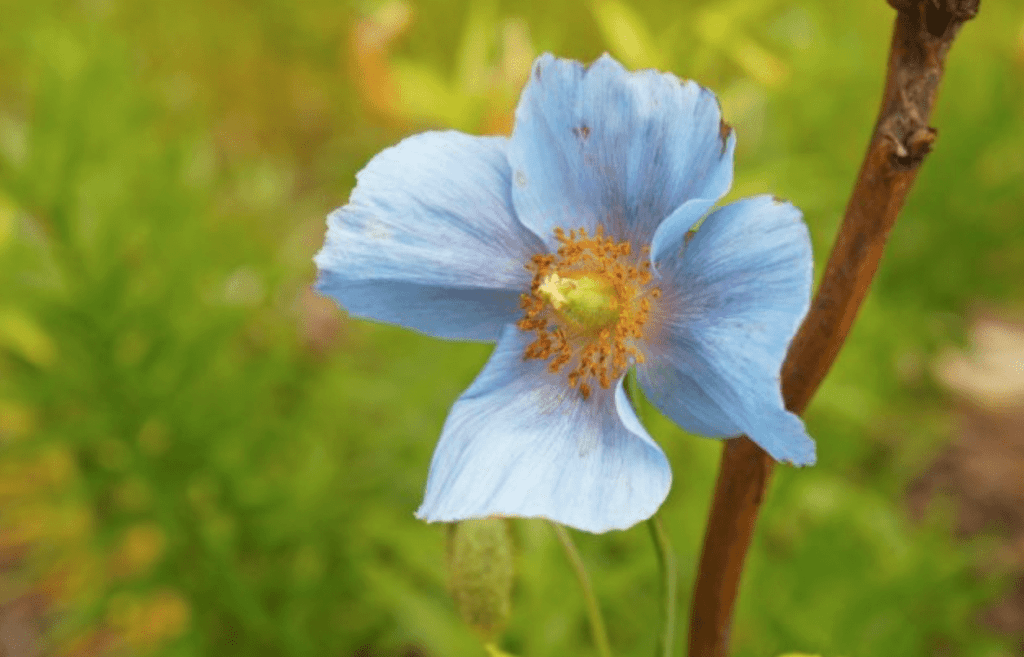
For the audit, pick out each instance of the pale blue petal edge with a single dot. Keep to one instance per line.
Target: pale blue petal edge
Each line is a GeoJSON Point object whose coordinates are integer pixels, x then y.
{"type": "Point", "coordinates": [735, 296]}
{"type": "Point", "coordinates": [442, 312]}
{"type": "Point", "coordinates": [429, 239]}
{"type": "Point", "coordinates": [520, 442]}
{"type": "Point", "coordinates": [600, 145]}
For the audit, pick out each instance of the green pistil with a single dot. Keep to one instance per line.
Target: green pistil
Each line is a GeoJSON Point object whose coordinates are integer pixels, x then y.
{"type": "Point", "coordinates": [589, 302]}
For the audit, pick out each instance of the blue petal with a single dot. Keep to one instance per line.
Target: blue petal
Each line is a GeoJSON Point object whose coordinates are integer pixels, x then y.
{"type": "Point", "coordinates": [600, 145]}
{"type": "Point", "coordinates": [429, 239]}
{"type": "Point", "coordinates": [520, 442]}
{"type": "Point", "coordinates": [733, 299]}
{"type": "Point", "coordinates": [443, 312]}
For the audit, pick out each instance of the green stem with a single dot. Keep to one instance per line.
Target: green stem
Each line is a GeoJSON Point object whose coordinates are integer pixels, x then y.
{"type": "Point", "coordinates": [632, 387]}
{"type": "Point", "coordinates": [669, 583]}
{"type": "Point", "coordinates": [666, 556]}
{"type": "Point", "coordinates": [597, 627]}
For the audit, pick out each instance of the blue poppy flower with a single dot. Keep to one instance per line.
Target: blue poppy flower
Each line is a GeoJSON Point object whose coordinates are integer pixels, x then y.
{"type": "Point", "coordinates": [570, 244]}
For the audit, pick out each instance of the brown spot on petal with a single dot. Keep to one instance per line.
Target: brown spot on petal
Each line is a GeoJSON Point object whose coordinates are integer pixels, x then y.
{"type": "Point", "coordinates": [723, 133]}
{"type": "Point", "coordinates": [581, 132]}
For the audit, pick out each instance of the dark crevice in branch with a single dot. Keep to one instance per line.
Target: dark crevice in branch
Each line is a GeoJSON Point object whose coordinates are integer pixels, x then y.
{"type": "Point", "coordinates": [923, 33]}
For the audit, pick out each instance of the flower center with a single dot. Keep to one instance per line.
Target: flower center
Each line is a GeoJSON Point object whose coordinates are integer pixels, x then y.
{"type": "Point", "coordinates": [588, 304]}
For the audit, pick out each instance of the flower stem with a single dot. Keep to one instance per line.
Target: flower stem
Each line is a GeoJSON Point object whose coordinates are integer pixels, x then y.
{"type": "Point", "coordinates": [666, 556]}
{"type": "Point", "coordinates": [922, 36]}
{"type": "Point", "coordinates": [597, 627]}
{"type": "Point", "coordinates": [632, 387]}
{"type": "Point", "coordinates": [669, 583]}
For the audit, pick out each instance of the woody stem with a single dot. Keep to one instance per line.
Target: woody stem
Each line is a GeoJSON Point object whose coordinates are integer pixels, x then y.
{"type": "Point", "coordinates": [923, 33]}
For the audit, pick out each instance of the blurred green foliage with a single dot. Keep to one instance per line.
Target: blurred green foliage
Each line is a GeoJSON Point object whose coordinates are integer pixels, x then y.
{"type": "Point", "coordinates": [207, 459]}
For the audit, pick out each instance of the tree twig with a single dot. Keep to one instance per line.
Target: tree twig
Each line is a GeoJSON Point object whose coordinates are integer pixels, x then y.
{"type": "Point", "coordinates": [923, 33]}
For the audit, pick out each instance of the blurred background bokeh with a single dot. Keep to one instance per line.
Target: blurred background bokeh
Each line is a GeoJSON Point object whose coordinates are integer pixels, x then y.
{"type": "Point", "coordinates": [200, 456]}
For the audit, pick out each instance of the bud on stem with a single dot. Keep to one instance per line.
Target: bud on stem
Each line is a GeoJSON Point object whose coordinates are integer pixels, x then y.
{"type": "Point", "coordinates": [481, 568]}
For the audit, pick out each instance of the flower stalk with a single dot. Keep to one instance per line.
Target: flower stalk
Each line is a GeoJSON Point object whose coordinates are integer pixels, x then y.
{"type": "Point", "coordinates": [669, 585]}
{"type": "Point", "coordinates": [597, 627]}
{"type": "Point", "coordinates": [667, 565]}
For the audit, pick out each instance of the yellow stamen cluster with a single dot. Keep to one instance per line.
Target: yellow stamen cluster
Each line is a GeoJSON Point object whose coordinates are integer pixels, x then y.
{"type": "Point", "coordinates": [588, 304]}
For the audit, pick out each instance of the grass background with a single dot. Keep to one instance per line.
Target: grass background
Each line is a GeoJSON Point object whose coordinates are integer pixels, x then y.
{"type": "Point", "coordinates": [204, 458]}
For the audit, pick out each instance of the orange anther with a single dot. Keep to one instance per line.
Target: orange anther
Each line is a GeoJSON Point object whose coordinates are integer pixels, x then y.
{"type": "Point", "coordinates": [600, 356]}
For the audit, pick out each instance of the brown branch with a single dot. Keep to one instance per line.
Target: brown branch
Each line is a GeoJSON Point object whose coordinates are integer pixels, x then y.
{"type": "Point", "coordinates": [922, 36]}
